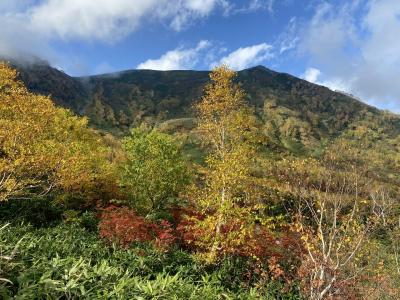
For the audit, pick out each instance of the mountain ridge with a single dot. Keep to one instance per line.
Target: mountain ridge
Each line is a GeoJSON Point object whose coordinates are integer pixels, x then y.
{"type": "Point", "coordinates": [292, 110]}
{"type": "Point", "coordinates": [36, 67]}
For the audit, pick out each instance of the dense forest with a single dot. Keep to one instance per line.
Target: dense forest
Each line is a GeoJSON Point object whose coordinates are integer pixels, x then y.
{"type": "Point", "coordinates": [194, 185]}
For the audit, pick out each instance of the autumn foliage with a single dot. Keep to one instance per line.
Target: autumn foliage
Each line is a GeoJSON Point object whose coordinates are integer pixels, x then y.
{"type": "Point", "coordinates": [323, 225]}
{"type": "Point", "coordinates": [44, 147]}
{"type": "Point", "coordinates": [124, 227]}
{"type": "Point", "coordinates": [261, 245]}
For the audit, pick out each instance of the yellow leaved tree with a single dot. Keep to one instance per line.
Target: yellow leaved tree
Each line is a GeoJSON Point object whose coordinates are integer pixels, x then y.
{"type": "Point", "coordinates": [226, 199]}
{"type": "Point", "coordinates": [43, 147]}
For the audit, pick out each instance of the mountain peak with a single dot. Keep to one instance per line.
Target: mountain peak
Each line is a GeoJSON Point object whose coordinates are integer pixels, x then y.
{"type": "Point", "coordinates": [131, 97]}
{"type": "Point", "coordinates": [260, 67]}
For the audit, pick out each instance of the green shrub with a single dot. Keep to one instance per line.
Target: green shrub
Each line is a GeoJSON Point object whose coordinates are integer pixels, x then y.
{"type": "Point", "coordinates": [38, 212]}
{"type": "Point", "coordinates": [89, 221]}
{"type": "Point", "coordinates": [70, 262]}
{"type": "Point", "coordinates": [155, 171]}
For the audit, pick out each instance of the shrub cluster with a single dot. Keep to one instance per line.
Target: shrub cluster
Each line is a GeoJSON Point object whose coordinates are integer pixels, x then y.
{"type": "Point", "coordinates": [123, 226]}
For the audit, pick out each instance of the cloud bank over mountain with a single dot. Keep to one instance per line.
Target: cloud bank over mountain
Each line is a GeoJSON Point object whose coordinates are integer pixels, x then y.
{"type": "Point", "coordinates": [348, 45]}
{"type": "Point", "coordinates": [178, 59]}
{"type": "Point", "coordinates": [356, 48]}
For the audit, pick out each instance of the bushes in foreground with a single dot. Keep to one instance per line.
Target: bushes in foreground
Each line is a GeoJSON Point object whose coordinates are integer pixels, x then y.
{"type": "Point", "coordinates": [69, 262]}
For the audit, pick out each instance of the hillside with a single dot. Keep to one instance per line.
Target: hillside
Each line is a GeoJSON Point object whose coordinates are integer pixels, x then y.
{"type": "Point", "coordinates": [295, 113]}
{"type": "Point", "coordinates": [43, 79]}
{"type": "Point", "coordinates": [157, 215]}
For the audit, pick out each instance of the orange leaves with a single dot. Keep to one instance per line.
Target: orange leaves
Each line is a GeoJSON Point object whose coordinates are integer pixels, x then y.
{"type": "Point", "coordinates": [226, 196]}
{"type": "Point", "coordinates": [165, 235]}
{"type": "Point", "coordinates": [236, 237]}
{"type": "Point", "coordinates": [123, 226]}
{"type": "Point", "coordinates": [44, 146]}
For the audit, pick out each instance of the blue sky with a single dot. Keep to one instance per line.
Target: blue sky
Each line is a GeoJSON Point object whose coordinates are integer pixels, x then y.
{"type": "Point", "coordinates": [348, 45]}
{"type": "Point", "coordinates": [225, 32]}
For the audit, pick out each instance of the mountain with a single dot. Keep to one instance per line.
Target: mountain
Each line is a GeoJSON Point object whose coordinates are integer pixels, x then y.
{"type": "Point", "coordinates": [295, 113]}
{"type": "Point", "coordinates": [65, 90]}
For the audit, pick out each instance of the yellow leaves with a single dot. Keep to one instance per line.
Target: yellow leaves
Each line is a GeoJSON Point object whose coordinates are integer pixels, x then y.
{"type": "Point", "coordinates": [41, 143]}
{"type": "Point", "coordinates": [228, 195]}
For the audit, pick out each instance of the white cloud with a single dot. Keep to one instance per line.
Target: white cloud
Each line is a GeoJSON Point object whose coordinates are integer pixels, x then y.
{"type": "Point", "coordinates": [86, 19]}
{"type": "Point", "coordinates": [17, 39]}
{"type": "Point", "coordinates": [357, 48]}
{"type": "Point", "coordinates": [178, 59]}
{"type": "Point", "coordinates": [314, 75]}
{"type": "Point", "coordinates": [252, 5]}
{"type": "Point", "coordinates": [270, 5]}
{"type": "Point", "coordinates": [7, 6]}
{"type": "Point", "coordinates": [327, 34]}
{"type": "Point", "coordinates": [246, 57]}
{"type": "Point", "coordinates": [203, 7]}
{"type": "Point", "coordinates": [208, 53]}
{"type": "Point", "coordinates": [31, 25]}
{"type": "Point", "coordinates": [288, 39]}
{"type": "Point", "coordinates": [182, 13]}
{"type": "Point", "coordinates": [109, 20]}
{"type": "Point", "coordinates": [260, 4]}
{"type": "Point", "coordinates": [289, 45]}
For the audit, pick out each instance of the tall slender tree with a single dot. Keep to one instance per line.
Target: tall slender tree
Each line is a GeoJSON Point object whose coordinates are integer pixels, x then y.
{"type": "Point", "coordinates": [227, 127]}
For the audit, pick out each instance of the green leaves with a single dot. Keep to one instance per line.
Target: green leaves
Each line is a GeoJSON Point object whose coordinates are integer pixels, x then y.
{"type": "Point", "coordinates": [68, 262]}
{"type": "Point", "coordinates": [155, 170]}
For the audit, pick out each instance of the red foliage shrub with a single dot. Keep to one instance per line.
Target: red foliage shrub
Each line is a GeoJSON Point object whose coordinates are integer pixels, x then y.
{"type": "Point", "coordinates": [276, 251]}
{"type": "Point", "coordinates": [165, 236]}
{"type": "Point", "coordinates": [268, 250]}
{"type": "Point", "coordinates": [261, 242]}
{"type": "Point", "coordinates": [123, 226]}
{"type": "Point", "coordinates": [186, 233]}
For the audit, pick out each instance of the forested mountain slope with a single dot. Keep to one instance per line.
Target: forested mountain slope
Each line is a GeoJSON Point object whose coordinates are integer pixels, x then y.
{"type": "Point", "coordinates": [295, 113]}
{"type": "Point", "coordinates": [250, 199]}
